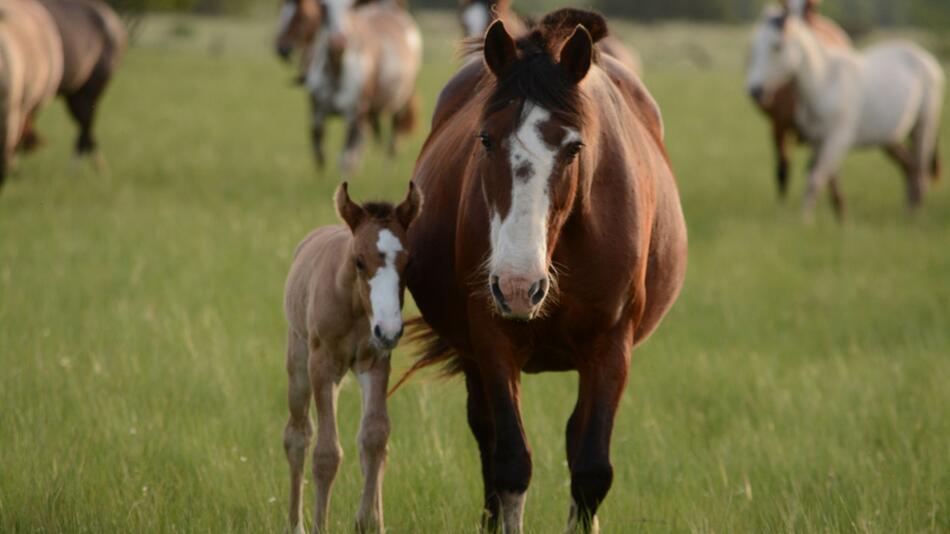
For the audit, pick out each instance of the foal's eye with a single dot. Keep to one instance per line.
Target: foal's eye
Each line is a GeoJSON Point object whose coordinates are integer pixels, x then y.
{"type": "Point", "coordinates": [486, 141]}
{"type": "Point", "coordinates": [573, 150]}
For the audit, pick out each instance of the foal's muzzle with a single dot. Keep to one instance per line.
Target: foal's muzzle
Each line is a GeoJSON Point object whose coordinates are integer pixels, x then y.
{"type": "Point", "coordinates": [386, 340]}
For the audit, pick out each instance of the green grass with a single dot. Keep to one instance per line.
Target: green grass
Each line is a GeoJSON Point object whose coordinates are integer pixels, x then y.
{"type": "Point", "coordinates": [800, 384]}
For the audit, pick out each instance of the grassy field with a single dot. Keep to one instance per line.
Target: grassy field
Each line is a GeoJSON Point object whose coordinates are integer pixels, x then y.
{"type": "Point", "coordinates": [800, 384]}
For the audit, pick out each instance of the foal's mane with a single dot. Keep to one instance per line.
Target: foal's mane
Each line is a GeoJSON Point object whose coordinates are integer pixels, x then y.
{"type": "Point", "coordinates": [380, 211]}
{"type": "Point", "coordinates": [535, 75]}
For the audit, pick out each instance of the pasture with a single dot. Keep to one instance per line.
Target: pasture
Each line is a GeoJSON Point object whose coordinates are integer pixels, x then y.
{"type": "Point", "coordinates": [799, 384]}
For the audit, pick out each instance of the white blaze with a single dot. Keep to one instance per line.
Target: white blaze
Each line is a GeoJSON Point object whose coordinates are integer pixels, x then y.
{"type": "Point", "coordinates": [475, 18]}
{"type": "Point", "coordinates": [384, 287]}
{"type": "Point", "coordinates": [519, 241]}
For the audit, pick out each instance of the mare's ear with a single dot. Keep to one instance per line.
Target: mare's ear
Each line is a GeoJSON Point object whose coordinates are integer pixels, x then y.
{"type": "Point", "coordinates": [409, 209]}
{"type": "Point", "coordinates": [577, 54]}
{"type": "Point", "coordinates": [500, 51]}
{"type": "Point", "coordinates": [351, 212]}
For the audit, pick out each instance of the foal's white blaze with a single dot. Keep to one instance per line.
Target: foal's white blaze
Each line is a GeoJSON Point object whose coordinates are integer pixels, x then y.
{"type": "Point", "coordinates": [519, 241]}
{"type": "Point", "coordinates": [384, 287]}
{"type": "Point", "coordinates": [287, 13]}
{"type": "Point", "coordinates": [475, 18]}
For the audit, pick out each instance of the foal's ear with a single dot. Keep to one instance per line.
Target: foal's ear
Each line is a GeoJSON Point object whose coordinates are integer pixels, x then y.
{"type": "Point", "coordinates": [577, 54]}
{"type": "Point", "coordinates": [500, 51]}
{"type": "Point", "coordinates": [409, 209]}
{"type": "Point", "coordinates": [351, 212]}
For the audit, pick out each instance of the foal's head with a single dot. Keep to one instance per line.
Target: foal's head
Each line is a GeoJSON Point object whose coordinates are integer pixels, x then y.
{"type": "Point", "coordinates": [379, 256]}
{"type": "Point", "coordinates": [532, 134]}
{"type": "Point", "coordinates": [774, 56]}
{"type": "Point", "coordinates": [299, 20]}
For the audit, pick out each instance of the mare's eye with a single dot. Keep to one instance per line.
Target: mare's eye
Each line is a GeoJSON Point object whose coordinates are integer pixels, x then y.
{"type": "Point", "coordinates": [486, 141]}
{"type": "Point", "coordinates": [574, 149]}
{"type": "Point", "coordinates": [360, 266]}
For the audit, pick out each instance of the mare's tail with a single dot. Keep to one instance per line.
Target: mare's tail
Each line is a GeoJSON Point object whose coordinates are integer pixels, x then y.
{"type": "Point", "coordinates": [435, 351]}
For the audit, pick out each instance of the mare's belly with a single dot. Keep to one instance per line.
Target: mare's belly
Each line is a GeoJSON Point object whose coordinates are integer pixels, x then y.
{"type": "Point", "coordinates": [891, 99]}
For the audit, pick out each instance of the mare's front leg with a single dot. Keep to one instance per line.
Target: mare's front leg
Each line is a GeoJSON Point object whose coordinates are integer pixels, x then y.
{"type": "Point", "coordinates": [603, 376]}
{"type": "Point", "coordinates": [373, 436]}
{"type": "Point", "coordinates": [299, 430]}
{"type": "Point", "coordinates": [500, 376]}
{"type": "Point", "coordinates": [826, 161]}
{"type": "Point", "coordinates": [326, 372]}
{"type": "Point", "coordinates": [482, 426]}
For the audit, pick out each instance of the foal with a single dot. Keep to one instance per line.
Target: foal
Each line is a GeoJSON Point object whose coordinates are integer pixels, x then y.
{"type": "Point", "coordinates": [343, 303]}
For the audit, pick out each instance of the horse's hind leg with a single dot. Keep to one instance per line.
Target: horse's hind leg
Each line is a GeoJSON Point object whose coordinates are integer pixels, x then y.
{"type": "Point", "coordinates": [30, 140]}
{"type": "Point", "coordinates": [373, 438]}
{"type": "Point", "coordinates": [350, 158]}
{"type": "Point", "coordinates": [317, 121]}
{"type": "Point", "coordinates": [299, 429]}
{"type": "Point", "coordinates": [325, 376]}
{"type": "Point", "coordinates": [924, 151]}
{"type": "Point", "coordinates": [837, 199]}
{"type": "Point", "coordinates": [779, 138]}
{"type": "Point", "coordinates": [404, 121]}
{"type": "Point", "coordinates": [82, 106]}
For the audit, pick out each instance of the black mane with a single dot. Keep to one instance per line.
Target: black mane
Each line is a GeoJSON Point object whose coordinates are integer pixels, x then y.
{"type": "Point", "coordinates": [381, 211]}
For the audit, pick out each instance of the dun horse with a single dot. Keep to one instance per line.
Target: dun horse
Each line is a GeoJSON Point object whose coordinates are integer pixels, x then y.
{"type": "Point", "coordinates": [31, 68]}
{"type": "Point", "coordinates": [780, 109]}
{"type": "Point", "coordinates": [880, 97]}
{"type": "Point", "coordinates": [94, 41]}
{"type": "Point", "coordinates": [343, 302]}
{"type": "Point", "coordinates": [476, 15]}
{"type": "Point", "coordinates": [552, 240]}
{"type": "Point", "coordinates": [362, 63]}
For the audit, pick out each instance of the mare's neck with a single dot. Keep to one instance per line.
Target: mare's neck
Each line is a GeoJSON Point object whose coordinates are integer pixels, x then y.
{"type": "Point", "coordinates": [811, 74]}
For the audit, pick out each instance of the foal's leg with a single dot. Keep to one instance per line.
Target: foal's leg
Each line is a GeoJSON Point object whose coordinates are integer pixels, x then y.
{"type": "Point", "coordinates": [827, 160]}
{"type": "Point", "coordinates": [482, 426]}
{"type": "Point", "coordinates": [325, 376]}
{"type": "Point", "coordinates": [373, 436]}
{"type": "Point", "coordinates": [589, 429]}
{"type": "Point", "coordinates": [299, 429]}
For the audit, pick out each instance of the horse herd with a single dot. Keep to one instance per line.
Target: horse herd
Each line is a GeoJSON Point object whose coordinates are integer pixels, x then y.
{"type": "Point", "coordinates": [542, 229]}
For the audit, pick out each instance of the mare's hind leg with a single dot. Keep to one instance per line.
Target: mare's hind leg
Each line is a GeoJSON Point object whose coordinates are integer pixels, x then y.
{"type": "Point", "coordinates": [325, 376]}
{"type": "Point", "coordinates": [780, 138]}
{"type": "Point", "coordinates": [373, 437]}
{"type": "Point", "coordinates": [837, 199]}
{"type": "Point", "coordinates": [480, 422]}
{"type": "Point", "coordinates": [30, 140]}
{"type": "Point", "coordinates": [299, 429]}
{"type": "Point", "coordinates": [350, 158]}
{"type": "Point", "coordinates": [589, 429]}
{"type": "Point", "coordinates": [317, 121]}
{"type": "Point", "coordinates": [404, 121]}
{"type": "Point", "coordinates": [82, 106]}
{"type": "Point", "coordinates": [924, 149]}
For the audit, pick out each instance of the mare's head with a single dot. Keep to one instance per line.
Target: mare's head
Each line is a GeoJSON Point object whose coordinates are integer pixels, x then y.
{"type": "Point", "coordinates": [379, 256]}
{"type": "Point", "coordinates": [532, 134]}
{"type": "Point", "coordinates": [299, 20]}
{"type": "Point", "coordinates": [774, 56]}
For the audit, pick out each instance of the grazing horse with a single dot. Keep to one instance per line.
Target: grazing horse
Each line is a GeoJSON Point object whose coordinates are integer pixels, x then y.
{"type": "Point", "coordinates": [476, 15]}
{"type": "Point", "coordinates": [879, 97]}
{"type": "Point", "coordinates": [31, 69]}
{"type": "Point", "coordinates": [780, 109]}
{"type": "Point", "coordinates": [343, 303]}
{"type": "Point", "coordinates": [552, 240]}
{"type": "Point", "coordinates": [93, 40]}
{"type": "Point", "coordinates": [363, 62]}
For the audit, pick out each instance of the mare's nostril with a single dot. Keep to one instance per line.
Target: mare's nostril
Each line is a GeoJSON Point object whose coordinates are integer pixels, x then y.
{"type": "Point", "coordinates": [377, 332]}
{"type": "Point", "coordinates": [499, 296]}
{"type": "Point", "coordinates": [537, 291]}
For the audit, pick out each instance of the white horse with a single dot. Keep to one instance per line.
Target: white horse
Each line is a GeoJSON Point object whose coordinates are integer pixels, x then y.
{"type": "Point", "coordinates": [879, 97]}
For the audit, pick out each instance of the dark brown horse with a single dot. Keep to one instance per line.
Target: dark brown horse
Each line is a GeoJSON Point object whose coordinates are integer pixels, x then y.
{"type": "Point", "coordinates": [781, 108]}
{"type": "Point", "coordinates": [94, 41]}
{"type": "Point", "coordinates": [552, 240]}
{"type": "Point", "coordinates": [476, 15]}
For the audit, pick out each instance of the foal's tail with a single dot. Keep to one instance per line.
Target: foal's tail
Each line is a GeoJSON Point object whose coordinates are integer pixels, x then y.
{"type": "Point", "coordinates": [435, 351]}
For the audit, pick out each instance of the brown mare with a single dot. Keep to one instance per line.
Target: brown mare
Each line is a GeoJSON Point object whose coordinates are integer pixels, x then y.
{"type": "Point", "coordinates": [362, 61]}
{"type": "Point", "coordinates": [343, 303]}
{"type": "Point", "coordinates": [476, 15]}
{"type": "Point", "coordinates": [94, 40]}
{"type": "Point", "coordinates": [552, 240]}
{"type": "Point", "coordinates": [31, 67]}
{"type": "Point", "coordinates": [781, 109]}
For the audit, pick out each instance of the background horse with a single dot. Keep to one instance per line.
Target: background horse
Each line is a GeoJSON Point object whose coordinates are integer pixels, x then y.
{"type": "Point", "coordinates": [31, 69]}
{"type": "Point", "coordinates": [476, 15]}
{"type": "Point", "coordinates": [879, 97]}
{"type": "Point", "coordinates": [780, 108]}
{"type": "Point", "coordinates": [93, 40]}
{"type": "Point", "coordinates": [363, 62]}
{"type": "Point", "coordinates": [343, 302]}
{"type": "Point", "coordinates": [552, 240]}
